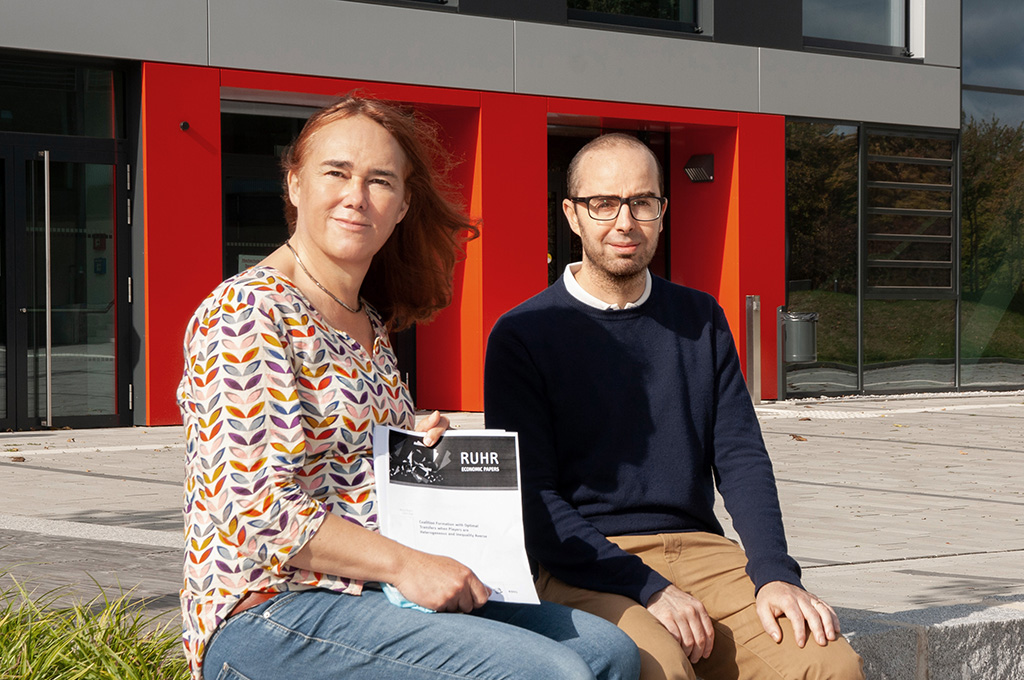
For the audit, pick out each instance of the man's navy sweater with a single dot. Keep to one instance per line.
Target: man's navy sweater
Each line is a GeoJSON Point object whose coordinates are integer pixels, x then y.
{"type": "Point", "coordinates": [626, 420]}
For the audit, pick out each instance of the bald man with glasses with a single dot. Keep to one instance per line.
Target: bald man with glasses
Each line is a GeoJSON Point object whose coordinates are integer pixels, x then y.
{"type": "Point", "coordinates": [631, 408]}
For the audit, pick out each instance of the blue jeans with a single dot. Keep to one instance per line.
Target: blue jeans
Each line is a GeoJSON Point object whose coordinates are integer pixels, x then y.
{"type": "Point", "coordinates": [322, 635]}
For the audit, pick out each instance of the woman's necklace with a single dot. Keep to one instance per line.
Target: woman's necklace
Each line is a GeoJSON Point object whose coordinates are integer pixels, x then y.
{"type": "Point", "coordinates": [320, 285]}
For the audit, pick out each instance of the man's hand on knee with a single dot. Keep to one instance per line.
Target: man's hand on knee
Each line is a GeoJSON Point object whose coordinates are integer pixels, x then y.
{"type": "Point", "coordinates": [804, 611]}
{"type": "Point", "coordinates": [685, 618]}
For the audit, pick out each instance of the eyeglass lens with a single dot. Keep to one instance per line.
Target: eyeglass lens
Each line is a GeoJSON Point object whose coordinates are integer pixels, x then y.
{"type": "Point", "coordinates": [643, 208]}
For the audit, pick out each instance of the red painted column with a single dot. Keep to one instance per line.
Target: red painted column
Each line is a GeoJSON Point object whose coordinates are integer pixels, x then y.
{"type": "Point", "coordinates": [507, 263]}
{"type": "Point", "coordinates": [181, 229]}
{"type": "Point", "coordinates": [515, 203]}
{"type": "Point", "coordinates": [702, 216]}
{"type": "Point", "coordinates": [762, 232]}
{"type": "Point", "coordinates": [446, 347]}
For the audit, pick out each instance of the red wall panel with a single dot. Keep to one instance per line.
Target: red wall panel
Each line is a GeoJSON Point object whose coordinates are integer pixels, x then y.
{"type": "Point", "coordinates": [762, 237]}
{"type": "Point", "coordinates": [182, 218]}
{"type": "Point", "coordinates": [446, 347]}
{"type": "Point", "coordinates": [515, 193]}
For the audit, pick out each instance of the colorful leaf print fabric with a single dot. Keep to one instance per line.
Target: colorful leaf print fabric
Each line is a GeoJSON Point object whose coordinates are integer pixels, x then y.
{"type": "Point", "coordinates": [278, 409]}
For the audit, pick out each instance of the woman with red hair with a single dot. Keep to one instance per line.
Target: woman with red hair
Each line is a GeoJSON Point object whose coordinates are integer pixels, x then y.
{"type": "Point", "coordinates": [288, 367]}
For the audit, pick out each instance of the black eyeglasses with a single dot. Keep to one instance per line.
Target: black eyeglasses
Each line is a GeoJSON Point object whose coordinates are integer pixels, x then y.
{"type": "Point", "coordinates": [604, 208]}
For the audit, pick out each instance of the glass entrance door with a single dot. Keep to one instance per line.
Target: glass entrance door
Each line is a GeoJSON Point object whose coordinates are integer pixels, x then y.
{"type": "Point", "coordinates": [66, 325]}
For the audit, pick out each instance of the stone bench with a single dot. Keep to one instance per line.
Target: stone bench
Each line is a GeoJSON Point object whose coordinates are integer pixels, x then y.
{"type": "Point", "coordinates": [962, 642]}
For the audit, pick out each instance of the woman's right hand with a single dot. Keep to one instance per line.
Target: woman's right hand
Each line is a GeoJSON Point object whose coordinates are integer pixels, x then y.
{"type": "Point", "coordinates": [440, 583]}
{"type": "Point", "coordinates": [348, 550]}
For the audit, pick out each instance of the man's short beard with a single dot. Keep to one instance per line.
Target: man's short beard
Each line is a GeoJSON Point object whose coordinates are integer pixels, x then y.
{"type": "Point", "coordinates": [635, 268]}
{"type": "Point", "coordinates": [626, 275]}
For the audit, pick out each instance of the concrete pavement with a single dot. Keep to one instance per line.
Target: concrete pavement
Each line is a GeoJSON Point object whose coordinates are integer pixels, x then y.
{"type": "Point", "coordinates": [907, 514]}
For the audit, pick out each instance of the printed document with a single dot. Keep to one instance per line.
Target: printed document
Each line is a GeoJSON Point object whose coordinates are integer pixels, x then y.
{"type": "Point", "coordinates": [459, 498]}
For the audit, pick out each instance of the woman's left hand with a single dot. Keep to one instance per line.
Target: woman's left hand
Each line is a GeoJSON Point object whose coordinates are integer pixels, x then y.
{"type": "Point", "coordinates": [434, 427]}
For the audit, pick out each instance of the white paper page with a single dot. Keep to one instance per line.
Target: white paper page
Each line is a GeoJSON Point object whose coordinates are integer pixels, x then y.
{"type": "Point", "coordinates": [460, 499]}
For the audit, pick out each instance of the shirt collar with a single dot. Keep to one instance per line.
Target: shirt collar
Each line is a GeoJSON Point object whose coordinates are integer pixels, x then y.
{"type": "Point", "coordinates": [576, 290]}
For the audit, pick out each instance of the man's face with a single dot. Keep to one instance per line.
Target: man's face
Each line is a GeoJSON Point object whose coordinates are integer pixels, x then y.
{"type": "Point", "coordinates": [623, 247]}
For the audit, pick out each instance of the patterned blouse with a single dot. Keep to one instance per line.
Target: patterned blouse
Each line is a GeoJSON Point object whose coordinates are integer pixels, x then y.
{"type": "Point", "coordinates": [278, 409]}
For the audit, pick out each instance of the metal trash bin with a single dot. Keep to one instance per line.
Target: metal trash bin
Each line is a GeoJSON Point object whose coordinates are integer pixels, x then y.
{"type": "Point", "coordinates": [800, 337]}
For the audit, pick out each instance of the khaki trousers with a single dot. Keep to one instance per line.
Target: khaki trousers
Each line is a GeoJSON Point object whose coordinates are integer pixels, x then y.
{"type": "Point", "coordinates": [712, 569]}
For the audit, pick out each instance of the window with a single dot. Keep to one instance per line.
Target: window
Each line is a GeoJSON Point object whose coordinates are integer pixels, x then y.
{"type": "Point", "coordinates": [881, 26]}
{"type": "Point", "coordinates": [51, 97]}
{"type": "Point", "coordinates": [992, 204]}
{"type": "Point", "coordinates": [670, 15]}
{"type": "Point", "coordinates": [821, 204]}
{"type": "Point", "coordinates": [873, 250]}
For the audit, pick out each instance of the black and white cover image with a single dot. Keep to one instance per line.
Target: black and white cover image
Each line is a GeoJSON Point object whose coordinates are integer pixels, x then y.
{"type": "Point", "coordinates": [459, 498]}
{"type": "Point", "coordinates": [457, 461]}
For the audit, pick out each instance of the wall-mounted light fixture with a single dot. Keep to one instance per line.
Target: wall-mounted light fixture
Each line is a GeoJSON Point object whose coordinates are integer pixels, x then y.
{"type": "Point", "coordinates": [701, 168]}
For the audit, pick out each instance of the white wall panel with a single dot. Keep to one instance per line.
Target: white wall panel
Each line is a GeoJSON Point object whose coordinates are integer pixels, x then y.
{"type": "Point", "coordinates": [870, 90]}
{"type": "Point", "coordinates": [129, 29]}
{"type": "Point", "coordinates": [362, 41]}
{"type": "Point", "coordinates": [942, 32]}
{"type": "Point", "coordinates": [597, 64]}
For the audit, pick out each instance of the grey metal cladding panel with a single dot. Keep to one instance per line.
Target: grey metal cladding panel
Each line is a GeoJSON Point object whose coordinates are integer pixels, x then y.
{"type": "Point", "coordinates": [569, 61]}
{"type": "Point", "coordinates": [360, 40]}
{"type": "Point", "coordinates": [154, 30]}
{"type": "Point", "coordinates": [870, 90]}
{"type": "Point", "coordinates": [942, 33]}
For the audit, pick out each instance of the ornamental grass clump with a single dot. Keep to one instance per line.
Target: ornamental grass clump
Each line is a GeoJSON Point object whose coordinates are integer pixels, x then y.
{"type": "Point", "coordinates": [102, 639]}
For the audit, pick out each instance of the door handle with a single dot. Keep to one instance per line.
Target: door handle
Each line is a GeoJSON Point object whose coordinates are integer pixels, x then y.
{"type": "Point", "coordinates": [23, 310]}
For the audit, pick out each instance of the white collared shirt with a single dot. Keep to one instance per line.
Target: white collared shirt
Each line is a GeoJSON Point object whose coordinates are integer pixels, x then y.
{"type": "Point", "coordinates": [576, 290]}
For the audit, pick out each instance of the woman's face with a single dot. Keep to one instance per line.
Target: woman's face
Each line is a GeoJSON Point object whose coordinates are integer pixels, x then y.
{"type": "Point", "coordinates": [350, 190]}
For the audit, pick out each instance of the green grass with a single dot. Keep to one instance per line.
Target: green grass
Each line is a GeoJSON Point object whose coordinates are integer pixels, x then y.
{"type": "Point", "coordinates": [900, 330]}
{"type": "Point", "coordinates": [97, 640]}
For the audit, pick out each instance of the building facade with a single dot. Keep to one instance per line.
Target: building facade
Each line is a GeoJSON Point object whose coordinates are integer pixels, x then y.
{"type": "Point", "coordinates": [812, 156]}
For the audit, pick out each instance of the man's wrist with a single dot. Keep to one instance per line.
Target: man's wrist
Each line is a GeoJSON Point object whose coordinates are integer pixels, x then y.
{"type": "Point", "coordinates": [655, 584]}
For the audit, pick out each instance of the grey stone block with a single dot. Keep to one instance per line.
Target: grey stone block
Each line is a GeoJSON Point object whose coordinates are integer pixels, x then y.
{"type": "Point", "coordinates": [941, 643]}
{"type": "Point", "coordinates": [985, 643]}
{"type": "Point", "coordinates": [889, 650]}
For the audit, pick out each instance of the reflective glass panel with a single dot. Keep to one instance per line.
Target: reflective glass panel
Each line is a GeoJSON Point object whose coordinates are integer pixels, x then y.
{"type": "Point", "coordinates": [909, 345]}
{"type": "Point", "coordinates": [910, 250]}
{"type": "Point", "coordinates": [992, 244]}
{"type": "Point", "coordinates": [1006, 109]}
{"type": "Point", "coordinates": [821, 205]}
{"type": "Point", "coordinates": [918, 173]}
{"type": "Point", "coordinates": [82, 289]}
{"type": "Point", "coordinates": [907, 276]}
{"type": "Point", "coordinates": [907, 198]}
{"type": "Point", "coordinates": [874, 22]}
{"type": "Point", "coordinates": [926, 225]}
{"type": "Point", "coordinates": [993, 52]}
{"type": "Point", "coordinates": [909, 146]}
{"type": "Point", "coordinates": [61, 99]}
